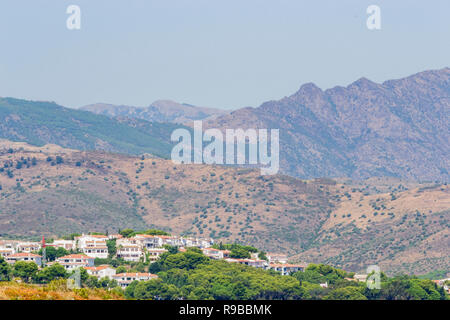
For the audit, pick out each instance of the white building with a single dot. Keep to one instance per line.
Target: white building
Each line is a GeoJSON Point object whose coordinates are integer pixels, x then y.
{"type": "Point", "coordinates": [24, 256]}
{"type": "Point", "coordinates": [65, 244]}
{"type": "Point", "coordinates": [215, 253]}
{"type": "Point", "coordinates": [28, 247]}
{"type": "Point", "coordinates": [147, 241]}
{"type": "Point", "coordinates": [277, 258]}
{"type": "Point", "coordinates": [10, 244]}
{"type": "Point", "coordinates": [95, 249]}
{"type": "Point", "coordinates": [83, 239]}
{"type": "Point", "coordinates": [129, 252]}
{"type": "Point", "coordinates": [155, 253]}
{"type": "Point", "coordinates": [196, 242]}
{"type": "Point", "coordinates": [103, 271]}
{"type": "Point", "coordinates": [171, 241]}
{"type": "Point", "coordinates": [360, 277]}
{"type": "Point", "coordinates": [286, 268]}
{"type": "Point", "coordinates": [256, 263]}
{"type": "Point", "coordinates": [5, 252]}
{"type": "Point", "coordinates": [124, 279]}
{"type": "Point", "coordinates": [75, 261]}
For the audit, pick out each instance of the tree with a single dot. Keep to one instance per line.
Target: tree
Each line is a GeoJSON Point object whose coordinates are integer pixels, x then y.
{"type": "Point", "coordinates": [112, 249]}
{"type": "Point", "coordinates": [347, 293]}
{"type": "Point", "coordinates": [53, 272]}
{"type": "Point", "coordinates": [239, 253]}
{"type": "Point", "coordinates": [121, 269]}
{"type": "Point", "coordinates": [155, 289]}
{"type": "Point", "coordinates": [25, 270]}
{"type": "Point", "coordinates": [5, 270]}
{"type": "Point", "coordinates": [92, 282]}
{"type": "Point", "coordinates": [126, 233]}
{"type": "Point", "coordinates": [51, 253]}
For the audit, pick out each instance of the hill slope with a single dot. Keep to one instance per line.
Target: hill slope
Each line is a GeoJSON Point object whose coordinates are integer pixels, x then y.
{"type": "Point", "coordinates": [400, 226]}
{"type": "Point", "coordinates": [399, 128]}
{"type": "Point", "coordinates": [40, 123]}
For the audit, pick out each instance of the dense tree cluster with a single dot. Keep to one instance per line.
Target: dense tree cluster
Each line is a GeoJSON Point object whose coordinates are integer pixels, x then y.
{"type": "Point", "coordinates": [191, 275]}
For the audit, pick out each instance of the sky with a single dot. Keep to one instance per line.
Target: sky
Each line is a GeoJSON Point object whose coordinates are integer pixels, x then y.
{"type": "Point", "coordinates": [215, 53]}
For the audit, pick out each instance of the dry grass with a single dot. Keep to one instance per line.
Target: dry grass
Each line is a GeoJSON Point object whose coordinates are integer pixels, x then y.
{"type": "Point", "coordinates": [21, 291]}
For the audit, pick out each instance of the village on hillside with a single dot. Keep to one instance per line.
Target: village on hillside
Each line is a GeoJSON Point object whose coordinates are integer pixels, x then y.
{"type": "Point", "coordinates": [113, 260]}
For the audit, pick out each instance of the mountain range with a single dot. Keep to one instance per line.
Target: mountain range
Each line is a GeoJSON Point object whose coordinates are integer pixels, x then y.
{"type": "Point", "coordinates": [399, 128]}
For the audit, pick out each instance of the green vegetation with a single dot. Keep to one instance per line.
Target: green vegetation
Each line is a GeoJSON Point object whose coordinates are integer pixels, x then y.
{"type": "Point", "coordinates": [51, 253]}
{"type": "Point", "coordinates": [190, 275]}
{"type": "Point", "coordinates": [5, 270]}
{"type": "Point", "coordinates": [239, 251]}
{"type": "Point", "coordinates": [128, 233]}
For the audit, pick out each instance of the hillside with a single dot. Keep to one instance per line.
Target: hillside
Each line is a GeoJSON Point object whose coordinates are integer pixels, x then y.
{"type": "Point", "coordinates": [399, 128]}
{"type": "Point", "coordinates": [158, 111]}
{"type": "Point", "coordinates": [41, 123]}
{"type": "Point", "coordinates": [402, 226]}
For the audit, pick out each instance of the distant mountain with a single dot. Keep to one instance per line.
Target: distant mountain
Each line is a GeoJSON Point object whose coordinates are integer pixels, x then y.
{"type": "Point", "coordinates": [40, 123]}
{"type": "Point", "coordinates": [159, 111]}
{"type": "Point", "coordinates": [399, 128]}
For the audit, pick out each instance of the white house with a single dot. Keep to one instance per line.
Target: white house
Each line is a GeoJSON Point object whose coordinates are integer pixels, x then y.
{"type": "Point", "coordinates": [5, 252]}
{"type": "Point", "coordinates": [213, 253]}
{"type": "Point", "coordinates": [153, 254]}
{"type": "Point", "coordinates": [360, 277]}
{"type": "Point", "coordinates": [256, 263]}
{"type": "Point", "coordinates": [171, 241]}
{"type": "Point", "coordinates": [10, 244]}
{"type": "Point", "coordinates": [147, 241]}
{"type": "Point", "coordinates": [277, 258]}
{"type": "Point", "coordinates": [103, 271]}
{"type": "Point", "coordinates": [196, 242]}
{"type": "Point", "coordinates": [83, 239]}
{"type": "Point", "coordinates": [95, 249]}
{"type": "Point", "coordinates": [124, 279]}
{"type": "Point", "coordinates": [286, 268]}
{"type": "Point", "coordinates": [24, 256]}
{"type": "Point", "coordinates": [75, 261]}
{"type": "Point", "coordinates": [129, 252]}
{"type": "Point", "coordinates": [65, 244]}
{"type": "Point", "coordinates": [28, 246]}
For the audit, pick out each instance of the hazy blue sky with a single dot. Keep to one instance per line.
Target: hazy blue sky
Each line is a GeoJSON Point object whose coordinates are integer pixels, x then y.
{"type": "Point", "coordinates": [217, 53]}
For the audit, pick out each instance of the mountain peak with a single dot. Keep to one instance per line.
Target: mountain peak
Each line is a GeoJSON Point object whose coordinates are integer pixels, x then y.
{"type": "Point", "coordinates": [308, 89]}
{"type": "Point", "coordinates": [364, 83]}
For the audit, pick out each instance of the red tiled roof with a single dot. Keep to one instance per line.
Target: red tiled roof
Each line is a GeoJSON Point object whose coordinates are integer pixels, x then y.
{"type": "Point", "coordinates": [137, 274]}
{"type": "Point", "coordinates": [24, 254]}
{"type": "Point", "coordinates": [287, 265]}
{"type": "Point", "coordinates": [97, 268]}
{"type": "Point", "coordinates": [75, 256]}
